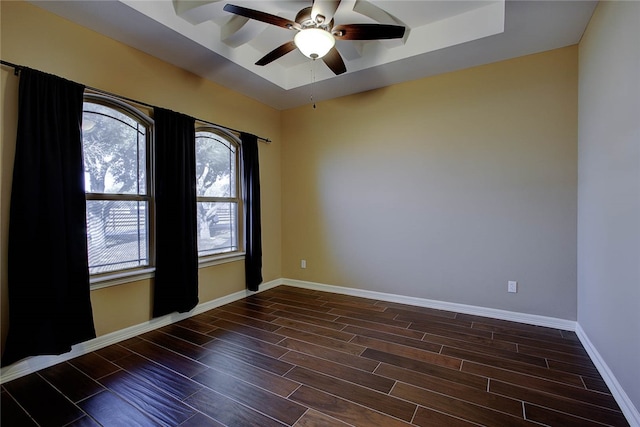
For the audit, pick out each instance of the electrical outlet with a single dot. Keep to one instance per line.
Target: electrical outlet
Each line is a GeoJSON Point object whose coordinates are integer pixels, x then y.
{"type": "Point", "coordinates": [303, 263]}
{"type": "Point", "coordinates": [512, 286]}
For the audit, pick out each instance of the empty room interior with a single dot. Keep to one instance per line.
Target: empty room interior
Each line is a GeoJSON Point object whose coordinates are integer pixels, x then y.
{"type": "Point", "coordinates": [448, 210]}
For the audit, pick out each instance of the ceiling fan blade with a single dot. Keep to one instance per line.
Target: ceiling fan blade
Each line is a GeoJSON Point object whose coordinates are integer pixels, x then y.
{"type": "Point", "coordinates": [325, 9]}
{"type": "Point", "coordinates": [367, 32]}
{"type": "Point", "coordinates": [334, 61]}
{"type": "Point", "coordinates": [277, 53]}
{"type": "Point", "coordinates": [262, 16]}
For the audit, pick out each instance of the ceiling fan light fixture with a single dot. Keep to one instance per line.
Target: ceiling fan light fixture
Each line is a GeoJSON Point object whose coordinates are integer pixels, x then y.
{"type": "Point", "coordinates": [314, 43]}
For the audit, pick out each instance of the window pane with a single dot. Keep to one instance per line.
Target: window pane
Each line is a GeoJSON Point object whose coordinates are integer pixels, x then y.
{"type": "Point", "coordinates": [114, 151]}
{"type": "Point", "coordinates": [217, 227]}
{"type": "Point", "coordinates": [215, 166]}
{"type": "Point", "coordinates": [116, 235]}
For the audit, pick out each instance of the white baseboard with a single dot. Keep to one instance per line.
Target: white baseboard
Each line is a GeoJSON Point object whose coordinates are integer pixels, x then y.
{"type": "Point", "coordinates": [531, 319]}
{"type": "Point", "coordinates": [36, 363]}
{"type": "Point", "coordinates": [624, 401]}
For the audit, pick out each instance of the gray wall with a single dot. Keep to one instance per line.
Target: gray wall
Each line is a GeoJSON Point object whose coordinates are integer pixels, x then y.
{"type": "Point", "coordinates": [609, 189]}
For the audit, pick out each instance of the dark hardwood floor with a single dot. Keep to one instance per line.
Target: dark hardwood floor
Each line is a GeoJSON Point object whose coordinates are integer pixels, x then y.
{"type": "Point", "coordinates": [298, 357]}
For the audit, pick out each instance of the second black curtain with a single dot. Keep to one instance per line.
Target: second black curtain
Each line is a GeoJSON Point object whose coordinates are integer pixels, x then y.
{"type": "Point", "coordinates": [252, 220]}
{"type": "Point", "coordinates": [176, 277]}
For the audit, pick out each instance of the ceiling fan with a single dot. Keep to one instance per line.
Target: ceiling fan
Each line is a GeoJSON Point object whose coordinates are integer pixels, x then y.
{"type": "Point", "coordinates": [316, 33]}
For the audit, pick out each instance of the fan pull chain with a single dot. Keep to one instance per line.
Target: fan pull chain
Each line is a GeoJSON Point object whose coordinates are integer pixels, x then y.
{"type": "Point", "coordinates": [313, 81]}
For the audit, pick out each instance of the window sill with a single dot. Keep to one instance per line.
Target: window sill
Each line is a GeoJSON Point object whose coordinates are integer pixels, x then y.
{"type": "Point", "coordinates": [220, 259]}
{"type": "Point", "coordinates": [148, 273]}
{"type": "Point", "coordinates": [121, 278]}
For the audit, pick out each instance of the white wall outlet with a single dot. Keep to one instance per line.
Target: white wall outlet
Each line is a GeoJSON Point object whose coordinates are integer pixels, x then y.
{"type": "Point", "coordinates": [512, 286]}
{"type": "Point", "coordinates": [303, 263]}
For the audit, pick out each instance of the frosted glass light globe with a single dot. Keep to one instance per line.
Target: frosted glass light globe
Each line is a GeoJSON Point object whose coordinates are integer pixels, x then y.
{"type": "Point", "coordinates": [314, 43]}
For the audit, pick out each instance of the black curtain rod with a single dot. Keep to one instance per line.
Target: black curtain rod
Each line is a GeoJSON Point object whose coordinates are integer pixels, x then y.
{"type": "Point", "coordinates": [17, 68]}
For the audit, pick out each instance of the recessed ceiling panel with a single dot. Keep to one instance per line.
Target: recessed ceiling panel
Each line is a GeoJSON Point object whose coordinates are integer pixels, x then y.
{"type": "Point", "coordinates": [430, 25]}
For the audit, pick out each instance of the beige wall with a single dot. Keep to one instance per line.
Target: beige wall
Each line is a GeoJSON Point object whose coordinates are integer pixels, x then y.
{"type": "Point", "coordinates": [41, 40]}
{"type": "Point", "coordinates": [609, 191]}
{"type": "Point", "coordinates": [442, 188]}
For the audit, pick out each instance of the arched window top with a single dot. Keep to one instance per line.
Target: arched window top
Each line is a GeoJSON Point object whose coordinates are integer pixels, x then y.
{"type": "Point", "coordinates": [127, 112]}
{"type": "Point", "coordinates": [222, 135]}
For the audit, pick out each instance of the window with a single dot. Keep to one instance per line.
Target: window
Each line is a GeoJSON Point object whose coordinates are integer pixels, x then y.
{"type": "Point", "coordinates": [116, 145]}
{"type": "Point", "coordinates": [217, 191]}
{"type": "Point", "coordinates": [116, 140]}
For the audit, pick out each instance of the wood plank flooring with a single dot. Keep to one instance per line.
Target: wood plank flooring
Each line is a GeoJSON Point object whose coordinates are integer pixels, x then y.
{"type": "Point", "coordinates": [297, 357]}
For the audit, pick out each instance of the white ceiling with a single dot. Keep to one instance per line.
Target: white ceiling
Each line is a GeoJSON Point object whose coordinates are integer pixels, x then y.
{"type": "Point", "coordinates": [441, 36]}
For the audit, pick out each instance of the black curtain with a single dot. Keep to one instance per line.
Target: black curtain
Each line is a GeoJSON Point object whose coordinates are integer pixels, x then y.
{"type": "Point", "coordinates": [176, 276]}
{"type": "Point", "coordinates": [253, 227]}
{"type": "Point", "coordinates": [49, 304]}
